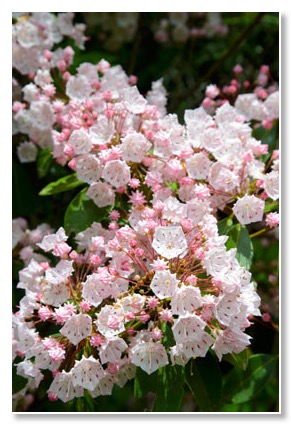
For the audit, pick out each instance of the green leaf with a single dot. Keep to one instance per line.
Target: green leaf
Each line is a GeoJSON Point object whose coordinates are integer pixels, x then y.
{"type": "Point", "coordinates": [266, 136]}
{"type": "Point", "coordinates": [43, 162]}
{"type": "Point", "coordinates": [224, 225]}
{"type": "Point", "coordinates": [173, 186]}
{"type": "Point", "coordinates": [238, 360]}
{"type": "Point", "coordinates": [144, 383]}
{"type": "Point", "coordinates": [170, 389]}
{"type": "Point", "coordinates": [270, 207]}
{"type": "Point", "coordinates": [168, 339]}
{"type": "Point", "coordinates": [82, 212]}
{"type": "Point", "coordinates": [63, 184]}
{"type": "Point", "coordinates": [241, 386]}
{"type": "Point", "coordinates": [238, 237]}
{"type": "Point", "coordinates": [203, 377]}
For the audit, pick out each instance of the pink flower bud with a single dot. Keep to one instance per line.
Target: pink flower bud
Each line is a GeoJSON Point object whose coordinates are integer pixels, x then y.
{"type": "Point", "coordinates": [266, 317]}
{"type": "Point", "coordinates": [66, 76]}
{"type": "Point", "coordinates": [265, 69]}
{"type": "Point", "coordinates": [238, 69]}
{"type": "Point", "coordinates": [85, 306]}
{"type": "Point", "coordinates": [156, 334]}
{"type": "Point", "coordinates": [96, 340]}
{"type": "Point", "coordinates": [47, 54]}
{"type": "Point", "coordinates": [62, 66]}
{"type": "Point", "coordinates": [132, 80]}
{"type": "Point", "coordinates": [152, 302]}
{"type": "Point", "coordinates": [143, 317]}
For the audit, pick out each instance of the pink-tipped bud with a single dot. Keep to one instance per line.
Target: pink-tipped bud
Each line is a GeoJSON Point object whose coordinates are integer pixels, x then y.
{"type": "Point", "coordinates": [62, 66]}
{"type": "Point", "coordinates": [132, 79]}
{"type": "Point", "coordinates": [238, 69]}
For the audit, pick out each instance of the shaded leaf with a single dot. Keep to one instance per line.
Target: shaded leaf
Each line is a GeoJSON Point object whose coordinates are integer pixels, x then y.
{"type": "Point", "coordinates": [203, 377]}
{"type": "Point", "coordinates": [144, 383]}
{"type": "Point", "coordinates": [238, 360]}
{"type": "Point", "coordinates": [168, 339]}
{"type": "Point", "coordinates": [24, 195]}
{"type": "Point", "coordinates": [238, 237]}
{"type": "Point", "coordinates": [82, 212]}
{"type": "Point", "coordinates": [63, 184]}
{"type": "Point", "coordinates": [44, 161]}
{"type": "Point", "coordinates": [224, 225]}
{"type": "Point", "coordinates": [170, 389]}
{"type": "Point", "coordinates": [241, 386]}
{"type": "Point", "coordinates": [266, 136]}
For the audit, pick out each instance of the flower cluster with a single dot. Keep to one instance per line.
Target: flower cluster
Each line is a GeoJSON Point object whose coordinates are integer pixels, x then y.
{"type": "Point", "coordinates": [24, 240]}
{"type": "Point", "coordinates": [35, 34]}
{"type": "Point", "coordinates": [157, 284]}
{"type": "Point", "coordinates": [182, 26]}
{"type": "Point", "coordinates": [258, 101]}
{"type": "Point", "coordinates": [112, 302]}
{"type": "Point", "coordinates": [119, 141]}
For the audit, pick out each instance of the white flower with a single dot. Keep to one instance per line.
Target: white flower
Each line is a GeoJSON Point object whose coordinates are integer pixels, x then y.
{"type": "Point", "coordinates": [149, 356]}
{"type": "Point", "coordinates": [51, 240]}
{"type": "Point", "coordinates": [133, 100]}
{"type": "Point", "coordinates": [94, 291]}
{"type": "Point", "coordinates": [226, 308]}
{"type": "Point", "coordinates": [134, 146]}
{"type": "Point", "coordinates": [60, 273]}
{"type": "Point", "coordinates": [198, 166]}
{"type": "Point", "coordinates": [27, 152]}
{"type": "Point", "coordinates": [186, 299]}
{"type": "Point", "coordinates": [197, 348]}
{"type": "Point", "coordinates": [63, 387]}
{"type": "Point", "coordinates": [55, 295]}
{"type": "Point", "coordinates": [88, 168]}
{"type": "Point", "coordinates": [77, 328]}
{"type": "Point", "coordinates": [42, 114]}
{"type": "Point", "coordinates": [164, 284]}
{"type": "Point", "coordinates": [174, 210]}
{"type": "Point", "coordinates": [249, 209]}
{"type": "Point", "coordinates": [111, 350]}
{"type": "Point", "coordinates": [80, 141]}
{"type": "Point", "coordinates": [271, 184]}
{"type": "Point", "coordinates": [78, 88]}
{"type": "Point", "coordinates": [110, 321]}
{"type": "Point", "coordinates": [87, 373]}
{"type": "Point", "coordinates": [170, 242]}
{"type": "Point", "coordinates": [116, 172]}
{"type": "Point", "coordinates": [102, 131]}
{"type": "Point", "coordinates": [188, 327]}
{"type": "Point", "coordinates": [101, 194]}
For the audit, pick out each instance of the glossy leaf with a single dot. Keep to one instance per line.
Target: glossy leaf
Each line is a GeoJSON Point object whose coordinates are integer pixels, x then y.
{"type": "Point", "coordinates": [271, 207]}
{"type": "Point", "coordinates": [203, 377]}
{"type": "Point", "coordinates": [63, 184]}
{"type": "Point", "coordinates": [239, 238]}
{"type": "Point", "coordinates": [224, 225]}
{"type": "Point", "coordinates": [170, 389]}
{"type": "Point", "coordinates": [82, 212]}
{"type": "Point", "coordinates": [241, 386]}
